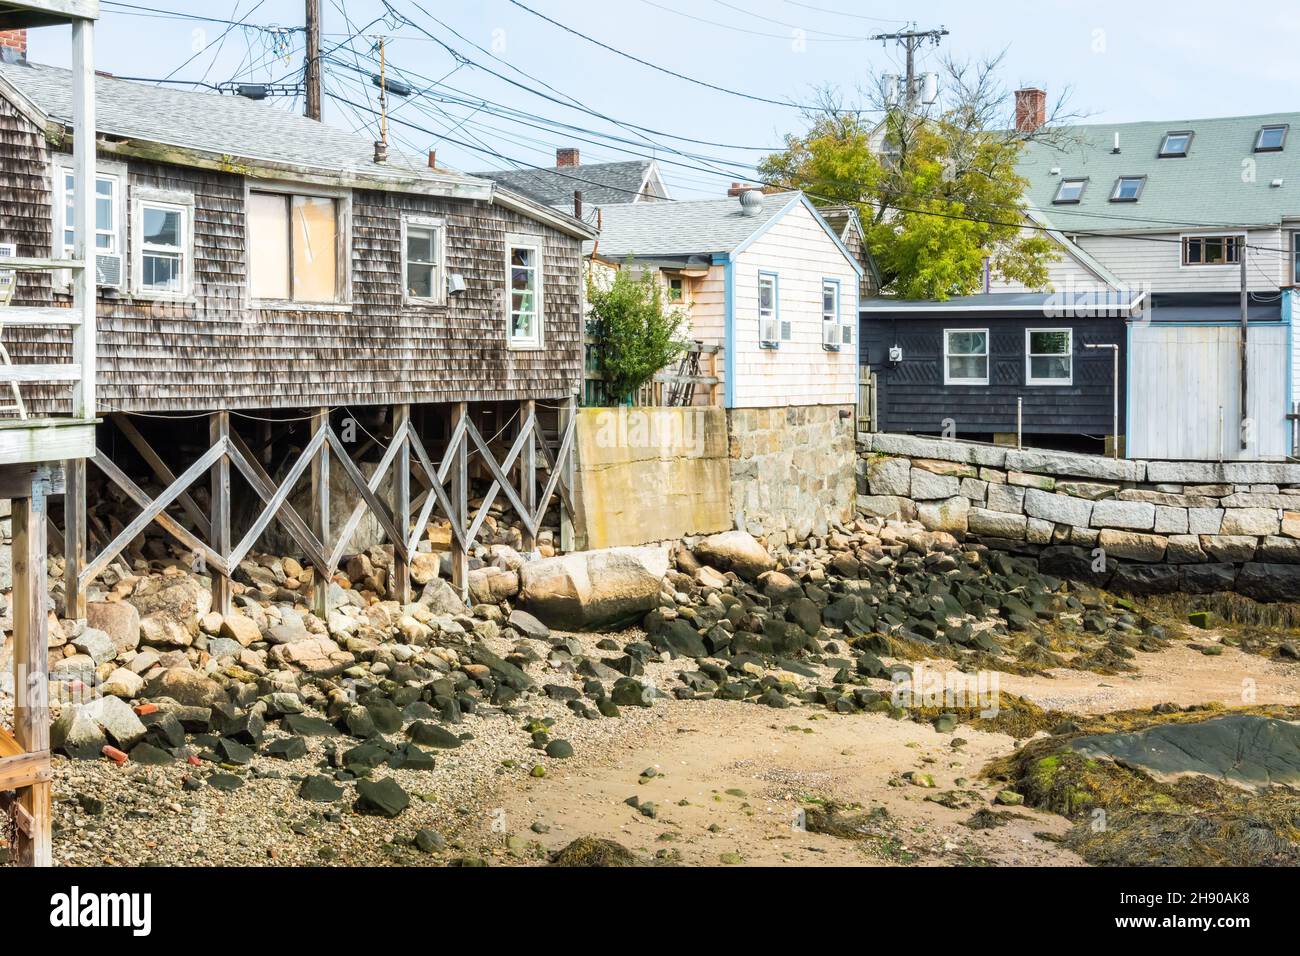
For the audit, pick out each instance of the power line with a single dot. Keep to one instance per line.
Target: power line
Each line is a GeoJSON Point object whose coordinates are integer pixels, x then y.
{"type": "Point", "coordinates": [673, 73]}
{"type": "Point", "coordinates": [232, 26]}
{"type": "Point", "coordinates": [841, 13]}
{"type": "Point", "coordinates": [785, 38]}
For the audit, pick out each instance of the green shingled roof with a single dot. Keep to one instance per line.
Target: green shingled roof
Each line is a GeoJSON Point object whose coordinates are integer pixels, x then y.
{"type": "Point", "coordinates": [1205, 188]}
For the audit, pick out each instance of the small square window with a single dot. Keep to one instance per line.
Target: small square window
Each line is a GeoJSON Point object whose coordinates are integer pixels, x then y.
{"type": "Point", "coordinates": [1070, 191]}
{"type": "Point", "coordinates": [1049, 358]}
{"type": "Point", "coordinates": [1271, 139]}
{"type": "Point", "coordinates": [1128, 188]}
{"type": "Point", "coordinates": [1176, 144]}
{"type": "Point", "coordinates": [676, 290]}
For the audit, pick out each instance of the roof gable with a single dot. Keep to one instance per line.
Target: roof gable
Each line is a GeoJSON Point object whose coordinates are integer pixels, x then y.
{"type": "Point", "coordinates": [600, 183]}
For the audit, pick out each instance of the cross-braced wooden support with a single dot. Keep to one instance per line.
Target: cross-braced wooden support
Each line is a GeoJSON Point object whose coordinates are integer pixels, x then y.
{"type": "Point", "coordinates": [25, 753]}
{"type": "Point", "coordinates": [527, 488]}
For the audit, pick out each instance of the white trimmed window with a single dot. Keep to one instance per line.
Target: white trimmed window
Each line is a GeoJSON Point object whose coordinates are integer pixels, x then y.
{"type": "Point", "coordinates": [769, 318]}
{"type": "Point", "coordinates": [423, 258]}
{"type": "Point", "coordinates": [163, 244]}
{"type": "Point", "coordinates": [524, 305]}
{"type": "Point", "coordinates": [831, 314]}
{"type": "Point", "coordinates": [965, 356]}
{"type": "Point", "coordinates": [1049, 356]}
{"type": "Point", "coordinates": [108, 220]}
{"type": "Point", "coordinates": [1211, 250]}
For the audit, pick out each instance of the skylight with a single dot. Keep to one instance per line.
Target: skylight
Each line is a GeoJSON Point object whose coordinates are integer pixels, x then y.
{"type": "Point", "coordinates": [1128, 189]}
{"type": "Point", "coordinates": [1175, 144]}
{"type": "Point", "coordinates": [1271, 139]}
{"type": "Point", "coordinates": [1070, 190]}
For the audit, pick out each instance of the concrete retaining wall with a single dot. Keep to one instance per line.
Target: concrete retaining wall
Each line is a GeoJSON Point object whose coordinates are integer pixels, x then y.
{"type": "Point", "coordinates": [650, 474]}
{"type": "Point", "coordinates": [1141, 526]}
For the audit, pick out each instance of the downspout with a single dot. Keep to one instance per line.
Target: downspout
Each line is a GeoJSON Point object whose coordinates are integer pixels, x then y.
{"type": "Point", "coordinates": [728, 328]}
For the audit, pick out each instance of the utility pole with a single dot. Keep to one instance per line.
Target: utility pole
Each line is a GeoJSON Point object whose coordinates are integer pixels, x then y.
{"type": "Point", "coordinates": [1244, 430]}
{"type": "Point", "coordinates": [312, 65]}
{"type": "Point", "coordinates": [911, 40]}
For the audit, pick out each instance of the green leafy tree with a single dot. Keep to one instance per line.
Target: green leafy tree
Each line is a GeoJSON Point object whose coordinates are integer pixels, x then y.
{"type": "Point", "coordinates": [635, 334]}
{"type": "Point", "coordinates": [936, 189]}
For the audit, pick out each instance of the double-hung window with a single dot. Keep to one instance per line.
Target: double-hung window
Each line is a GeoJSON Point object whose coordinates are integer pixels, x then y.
{"type": "Point", "coordinates": [110, 188]}
{"type": "Point", "coordinates": [1049, 356]}
{"type": "Point", "coordinates": [423, 260]}
{"type": "Point", "coordinates": [769, 322]}
{"type": "Point", "coordinates": [162, 246]}
{"type": "Point", "coordinates": [966, 356]}
{"type": "Point", "coordinates": [830, 314]}
{"type": "Point", "coordinates": [524, 293]}
{"type": "Point", "coordinates": [297, 251]}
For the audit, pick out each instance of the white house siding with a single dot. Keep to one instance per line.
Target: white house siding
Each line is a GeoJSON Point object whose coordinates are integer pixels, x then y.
{"type": "Point", "coordinates": [800, 371]}
{"type": "Point", "coordinates": [1063, 275]}
{"type": "Point", "coordinates": [1183, 381]}
{"type": "Point", "coordinates": [1155, 261]}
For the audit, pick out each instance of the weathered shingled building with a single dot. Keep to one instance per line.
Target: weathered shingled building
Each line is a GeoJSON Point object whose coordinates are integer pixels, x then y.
{"type": "Point", "coordinates": [266, 266]}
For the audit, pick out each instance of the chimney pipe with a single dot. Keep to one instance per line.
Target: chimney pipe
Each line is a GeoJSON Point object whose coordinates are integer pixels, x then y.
{"type": "Point", "coordinates": [1031, 109]}
{"type": "Point", "coordinates": [13, 46]}
{"type": "Point", "coordinates": [577, 204]}
{"type": "Point", "coordinates": [433, 159]}
{"type": "Point", "coordinates": [381, 151]}
{"type": "Point", "coordinates": [566, 157]}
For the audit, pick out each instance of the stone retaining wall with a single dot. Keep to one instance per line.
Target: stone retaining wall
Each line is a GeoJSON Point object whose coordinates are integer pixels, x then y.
{"type": "Point", "coordinates": [1140, 526]}
{"type": "Point", "coordinates": [791, 470]}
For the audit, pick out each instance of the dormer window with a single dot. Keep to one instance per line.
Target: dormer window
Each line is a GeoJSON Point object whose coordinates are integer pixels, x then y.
{"type": "Point", "coordinates": [1070, 191]}
{"type": "Point", "coordinates": [1271, 139]}
{"type": "Point", "coordinates": [1175, 144]}
{"type": "Point", "coordinates": [1128, 188]}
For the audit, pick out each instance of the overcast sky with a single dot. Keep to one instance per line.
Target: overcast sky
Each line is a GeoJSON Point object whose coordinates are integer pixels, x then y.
{"type": "Point", "coordinates": [1120, 60]}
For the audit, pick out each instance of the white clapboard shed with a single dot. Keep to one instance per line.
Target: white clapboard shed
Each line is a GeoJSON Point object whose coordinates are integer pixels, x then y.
{"type": "Point", "coordinates": [1184, 375]}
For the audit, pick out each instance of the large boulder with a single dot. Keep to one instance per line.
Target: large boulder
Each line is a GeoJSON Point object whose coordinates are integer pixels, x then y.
{"type": "Point", "coordinates": [590, 589]}
{"type": "Point", "coordinates": [119, 620]}
{"type": "Point", "coordinates": [442, 598]}
{"type": "Point", "coordinates": [186, 686]}
{"type": "Point", "coordinates": [735, 551]}
{"type": "Point", "coordinates": [179, 597]}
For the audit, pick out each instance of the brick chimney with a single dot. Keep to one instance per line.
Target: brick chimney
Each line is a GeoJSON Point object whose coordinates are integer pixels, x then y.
{"type": "Point", "coordinates": [1031, 109]}
{"type": "Point", "coordinates": [738, 189]}
{"type": "Point", "coordinates": [566, 157]}
{"type": "Point", "coordinates": [13, 46]}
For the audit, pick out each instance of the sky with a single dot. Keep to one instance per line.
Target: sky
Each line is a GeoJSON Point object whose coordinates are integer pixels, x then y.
{"type": "Point", "coordinates": [1117, 61]}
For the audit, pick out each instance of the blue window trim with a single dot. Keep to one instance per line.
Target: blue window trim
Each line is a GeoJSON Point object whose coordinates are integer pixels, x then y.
{"type": "Point", "coordinates": [728, 329]}
{"type": "Point", "coordinates": [839, 310]}
{"type": "Point", "coordinates": [776, 308]}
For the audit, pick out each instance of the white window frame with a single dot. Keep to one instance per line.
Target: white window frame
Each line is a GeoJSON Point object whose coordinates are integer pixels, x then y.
{"type": "Point", "coordinates": [343, 245]}
{"type": "Point", "coordinates": [832, 337]}
{"type": "Point", "coordinates": [1029, 356]}
{"type": "Point", "coordinates": [173, 200]}
{"type": "Point", "coordinates": [773, 341]}
{"type": "Point", "coordinates": [1182, 250]}
{"type": "Point", "coordinates": [104, 169]}
{"type": "Point", "coordinates": [988, 359]}
{"type": "Point", "coordinates": [439, 227]}
{"type": "Point", "coordinates": [537, 340]}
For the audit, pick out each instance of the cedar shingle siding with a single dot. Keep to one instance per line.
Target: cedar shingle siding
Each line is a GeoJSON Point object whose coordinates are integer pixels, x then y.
{"type": "Point", "coordinates": [164, 357]}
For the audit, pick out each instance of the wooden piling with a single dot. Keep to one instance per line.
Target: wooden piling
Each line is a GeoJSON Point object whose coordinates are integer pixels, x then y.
{"type": "Point", "coordinates": [401, 589]}
{"type": "Point", "coordinates": [320, 506]}
{"type": "Point", "coordinates": [219, 508]}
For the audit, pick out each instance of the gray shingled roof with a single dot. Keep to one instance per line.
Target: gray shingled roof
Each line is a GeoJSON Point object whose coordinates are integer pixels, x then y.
{"type": "Point", "coordinates": [682, 228]}
{"type": "Point", "coordinates": [212, 122]}
{"type": "Point", "coordinates": [1206, 187]}
{"type": "Point", "coordinates": [600, 183]}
